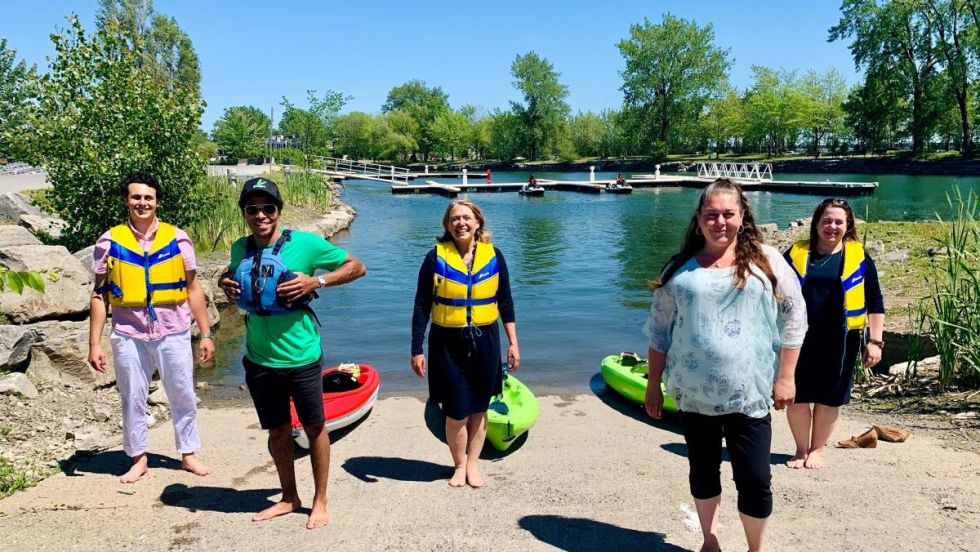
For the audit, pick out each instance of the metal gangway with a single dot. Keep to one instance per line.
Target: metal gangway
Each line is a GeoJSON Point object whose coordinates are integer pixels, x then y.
{"type": "Point", "coordinates": [741, 171]}
{"type": "Point", "coordinates": [357, 169]}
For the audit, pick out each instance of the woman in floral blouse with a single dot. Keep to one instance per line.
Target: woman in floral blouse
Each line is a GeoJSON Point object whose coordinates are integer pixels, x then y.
{"type": "Point", "coordinates": [725, 329]}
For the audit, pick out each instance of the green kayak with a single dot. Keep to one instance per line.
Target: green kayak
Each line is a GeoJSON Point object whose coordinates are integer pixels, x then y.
{"type": "Point", "coordinates": [511, 413]}
{"type": "Point", "coordinates": [629, 378]}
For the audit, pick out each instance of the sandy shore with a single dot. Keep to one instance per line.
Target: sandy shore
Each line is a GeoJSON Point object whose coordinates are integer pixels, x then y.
{"type": "Point", "coordinates": [593, 475]}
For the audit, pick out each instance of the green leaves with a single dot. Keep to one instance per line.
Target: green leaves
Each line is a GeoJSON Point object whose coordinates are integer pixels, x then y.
{"type": "Point", "coordinates": [17, 280]}
{"type": "Point", "coordinates": [544, 114]}
{"type": "Point", "coordinates": [242, 131]}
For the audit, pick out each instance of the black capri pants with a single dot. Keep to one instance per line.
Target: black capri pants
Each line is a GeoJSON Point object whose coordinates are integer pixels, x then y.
{"type": "Point", "coordinates": [749, 442]}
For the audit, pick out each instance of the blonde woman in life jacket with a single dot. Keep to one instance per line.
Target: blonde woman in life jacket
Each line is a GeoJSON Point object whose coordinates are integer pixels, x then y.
{"type": "Point", "coordinates": [843, 295]}
{"type": "Point", "coordinates": [464, 287]}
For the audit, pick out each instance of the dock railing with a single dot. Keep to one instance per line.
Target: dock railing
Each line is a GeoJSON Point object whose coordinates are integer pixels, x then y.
{"type": "Point", "coordinates": [373, 171]}
{"type": "Point", "coordinates": [744, 171]}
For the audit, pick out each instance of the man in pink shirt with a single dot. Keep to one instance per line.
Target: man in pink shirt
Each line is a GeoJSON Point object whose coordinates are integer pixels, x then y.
{"type": "Point", "coordinates": [151, 319]}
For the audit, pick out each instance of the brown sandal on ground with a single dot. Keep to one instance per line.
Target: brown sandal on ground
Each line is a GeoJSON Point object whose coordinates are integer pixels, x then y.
{"type": "Point", "coordinates": [868, 439]}
{"type": "Point", "coordinates": [892, 434]}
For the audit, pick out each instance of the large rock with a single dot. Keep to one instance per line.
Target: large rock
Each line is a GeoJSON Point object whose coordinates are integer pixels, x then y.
{"type": "Point", "coordinates": [11, 234]}
{"type": "Point", "coordinates": [60, 354]}
{"type": "Point", "coordinates": [84, 256]}
{"type": "Point", "coordinates": [13, 205]}
{"type": "Point", "coordinates": [17, 383]}
{"type": "Point", "coordinates": [15, 347]}
{"type": "Point", "coordinates": [65, 297]}
{"type": "Point", "coordinates": [51, 226]}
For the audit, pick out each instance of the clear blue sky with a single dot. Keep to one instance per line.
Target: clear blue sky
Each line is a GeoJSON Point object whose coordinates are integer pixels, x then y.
{"type": "Point", "coordinates": [254, 53]}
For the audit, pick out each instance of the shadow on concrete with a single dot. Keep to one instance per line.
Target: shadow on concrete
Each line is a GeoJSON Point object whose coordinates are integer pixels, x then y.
{"type": "Point", "coordinates": [587, 535]}
{"type": "Point", "coordinates": [371, 468]}
{"type": "Point", "coordinates": [219, 499]}
{"type": "Point", "coordinates": [668, 422]}
{"type": "Point", "coordinates": [113, 462]}
{"type": "Point", "coordinates": [435, 421]}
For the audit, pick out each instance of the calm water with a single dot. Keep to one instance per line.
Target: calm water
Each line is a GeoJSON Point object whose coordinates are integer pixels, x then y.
{"type": "Point", "coordinates": [579, 268]}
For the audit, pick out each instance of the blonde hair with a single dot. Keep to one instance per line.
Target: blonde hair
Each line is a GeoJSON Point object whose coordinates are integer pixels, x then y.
{"type": "Point", "coordinates": [481, 234]}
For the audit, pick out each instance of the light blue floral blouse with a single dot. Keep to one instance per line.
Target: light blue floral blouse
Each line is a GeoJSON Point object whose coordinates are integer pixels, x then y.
{"type": "Point", "coordinates": [722, 344]}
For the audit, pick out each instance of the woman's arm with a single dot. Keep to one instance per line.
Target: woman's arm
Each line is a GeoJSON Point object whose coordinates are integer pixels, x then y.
{"type": "Point", "coordinates": [505, 304]}
{"type": "Point", "coordinates": [420, 314]}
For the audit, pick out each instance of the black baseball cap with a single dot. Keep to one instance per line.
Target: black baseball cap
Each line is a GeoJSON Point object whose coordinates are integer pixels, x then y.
{"type": "Point", "coordinates": [260, 186]}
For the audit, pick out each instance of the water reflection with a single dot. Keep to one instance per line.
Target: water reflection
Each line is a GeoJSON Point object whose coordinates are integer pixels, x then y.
{"type": "Point", "coordinates": [538, 242]}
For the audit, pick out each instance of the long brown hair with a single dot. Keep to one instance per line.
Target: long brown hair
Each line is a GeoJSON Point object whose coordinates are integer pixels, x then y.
{"type": "Point", "coordinates": [851, 232]}
{"type": "Point", "coordinates": [481, 235]}
{"type": "Point", "coordinates": [748, 244]}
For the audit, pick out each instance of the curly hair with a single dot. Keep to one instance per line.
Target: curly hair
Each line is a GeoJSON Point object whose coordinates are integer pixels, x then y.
{"type": "Point", "coordinates": [138, 178]}
{"type": "Point", "coordinates": [748, 244]}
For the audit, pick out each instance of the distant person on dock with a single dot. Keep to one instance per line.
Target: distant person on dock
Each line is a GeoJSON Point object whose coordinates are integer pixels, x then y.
{"type": "Point", "coordinates": [843, 295]}
{"type": "Point", "coordinates": [151, 310]}
{"type": "Point", "coordinates": [464, 287]}
{"type": "Point", "coordinates": [489, 176]}
{"type": "Point", "coordinates": [271, 276]}
{"type": "Point", "coordinates": [725, 328]}
{"type": "Point", "coordinates": [620, 181]}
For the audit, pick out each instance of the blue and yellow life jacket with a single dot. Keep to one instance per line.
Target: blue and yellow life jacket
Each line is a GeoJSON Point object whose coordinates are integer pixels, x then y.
{"type": "Point", "coordinates": [140, 278]}
{"type": "Point", "coordinates": [259, 274]}
{"type": "Point", "coordinates": [464, 296]}
{"type": "Point", "coordinates": [852, 279]}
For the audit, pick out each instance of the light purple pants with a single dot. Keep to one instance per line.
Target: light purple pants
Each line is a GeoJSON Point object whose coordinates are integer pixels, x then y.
{"type": "Point", "coordinates": [134, 361]}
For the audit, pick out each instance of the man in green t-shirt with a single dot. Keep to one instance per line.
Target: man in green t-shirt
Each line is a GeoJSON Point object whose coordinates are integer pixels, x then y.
{"type": "Point", "coordinates": [282, 353]}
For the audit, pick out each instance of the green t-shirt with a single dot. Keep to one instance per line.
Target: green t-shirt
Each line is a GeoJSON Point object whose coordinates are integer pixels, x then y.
{"type": "Point", "coordinates": [289, 340]}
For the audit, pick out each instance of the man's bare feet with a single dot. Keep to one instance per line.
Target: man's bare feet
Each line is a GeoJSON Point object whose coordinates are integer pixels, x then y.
{"type": "Point", "coordinates": [280, 508]}
{"type": "Point", "coordinates": [473, 476]}
{"type": "Point", "coordinates": [797, 461]}
{"type": "Point", "coordinates": [190, 463]}
{"type": "Point", "coordinates": [136, 471]}
{"type": "Point", "coordinates": [459, 478]}
{"type": "Point", "coordinates": [814, 461]}
{"type": "Point", "coordinates": [319, 516]}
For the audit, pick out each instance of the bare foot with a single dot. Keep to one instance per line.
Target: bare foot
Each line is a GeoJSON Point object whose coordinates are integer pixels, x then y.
{"type": "Point", "coordinates": [797, 461]}
{"type": "Point", "coordinates": [280, 508]}
{"type": "Point", "coordinates": [710, 545]}
{"type": "Point", "coordinates": [815, 460]}
{"type": "Point", "coordinates": [190, 463]}
{"type": "Point", "coordinates": [136, 471]}
{"type": "Point", "coordinates": [459, 478]}
{"type": "Point", "coordinates": [473, 476]}
{"type": "Point", "coordinates": [319, 516]}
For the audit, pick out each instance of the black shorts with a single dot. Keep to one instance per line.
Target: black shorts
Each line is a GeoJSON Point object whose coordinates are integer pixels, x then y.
{"type": "Point", "coordinates": [271, 389]}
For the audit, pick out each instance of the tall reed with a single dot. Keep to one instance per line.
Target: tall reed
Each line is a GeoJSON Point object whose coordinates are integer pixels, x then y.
{"type": "Point", "coordinates": [954, 316]}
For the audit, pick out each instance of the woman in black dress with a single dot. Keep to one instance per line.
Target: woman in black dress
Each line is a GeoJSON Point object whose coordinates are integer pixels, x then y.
{"type": "Point", "coordinates": [464, 286]}
{"type": "Point", "coordinates": [842, 293]}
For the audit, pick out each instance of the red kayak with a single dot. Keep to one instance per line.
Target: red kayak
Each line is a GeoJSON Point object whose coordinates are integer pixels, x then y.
{"type": "Point", "coordinates": [349, 392]}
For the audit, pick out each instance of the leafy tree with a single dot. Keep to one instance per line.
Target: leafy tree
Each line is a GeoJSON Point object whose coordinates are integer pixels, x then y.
{"type": "Point", "coordinates": [99, 116]}
{"type": "Point", "coordinates": [479, 135]}
{"type": "Point", "coordinates": [672, 69]}
{"type": "Point", "coordinates": [724, 120]}
{"type": "Point", "coordinates": [15, 92]}
{"type": "Point", "coordinates": [242, 132]}
{"type": "Point", "coordinates": [823, 114]}
{"type": "Point", "coordinates": [452, 131]}
{"type": "Point", "coordinates": [955, 38]}
{"type": "Point", "coordinates": [774, 110]}
{"type": "Point", "coordinates": [423, 104]}
{"type": "Point", "coordinates": [876, 110]}
{"type": "Point", "coordinates": [544, 113]}
{"type": "Point", "coordinates": [393, 135]}
{"type": "Point", "coordinates": [354, 135]}
{"type": "Point", "coordinates": [894, 36]}
{"type": "Point", "coordinates": [313, 127]}
{"type": "Point", "coordinates": [167, 51]}
{"type": "Point", "coordinates": [505, 135]}
{"type": "Point", "coordinates": [587, 129]}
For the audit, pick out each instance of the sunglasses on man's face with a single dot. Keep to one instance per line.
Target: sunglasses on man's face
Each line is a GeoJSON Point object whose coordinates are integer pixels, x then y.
{"type": "Point", "coordinates": [268, 209]}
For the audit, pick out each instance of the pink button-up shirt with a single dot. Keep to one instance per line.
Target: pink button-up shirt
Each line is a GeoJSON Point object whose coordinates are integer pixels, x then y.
{"type": "Point", "coordinates": [135, 321]}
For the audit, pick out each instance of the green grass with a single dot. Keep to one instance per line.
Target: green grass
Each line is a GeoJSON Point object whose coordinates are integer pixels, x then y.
{"type": "Point", "coordinates": [12, 480]}
{"type": "Point", "coordinates": [220, 221]}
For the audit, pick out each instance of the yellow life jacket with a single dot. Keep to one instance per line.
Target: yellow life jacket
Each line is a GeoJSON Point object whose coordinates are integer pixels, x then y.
{"type": "Point", "coordinates": [852, 278]}
{"type": "Point", "coordinates": [462, 296]}
{"type": "Point", "coordinates": [140, 278]}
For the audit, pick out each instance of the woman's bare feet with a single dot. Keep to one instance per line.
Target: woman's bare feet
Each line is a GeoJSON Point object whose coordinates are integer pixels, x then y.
{"type": "Point", "coordinates": [190, 463]}
{"type": "Point", "coordinates": [797, 461]}
{"type": "Point", "coordinates": [319, 516]}
{"type": "Point", "coordinates": [814, 460]}
{"type": "Point", "coordinates": [473, 476]}
{"type": "Point", "coordinates": [710, 544]}
{"type": "Point", "coordinates": [136, 471]}
{"type": "Point", "coordinates": [459, 478]}
{"type": "Point", "coordinates": [280, 508]}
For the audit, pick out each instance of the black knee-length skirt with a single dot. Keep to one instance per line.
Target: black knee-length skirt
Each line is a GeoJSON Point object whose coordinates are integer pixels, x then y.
{"type": "Point", "coordinates": [464, 368]}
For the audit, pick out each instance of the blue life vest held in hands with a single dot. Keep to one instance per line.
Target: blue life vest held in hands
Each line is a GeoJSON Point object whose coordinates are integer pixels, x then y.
{"type": "Point", "coordinates": [259, 273]}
